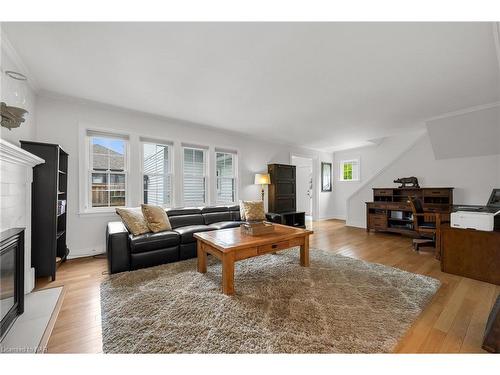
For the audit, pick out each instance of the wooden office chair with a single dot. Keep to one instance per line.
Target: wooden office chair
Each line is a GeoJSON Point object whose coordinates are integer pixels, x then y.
{"type": "Point", "coordinates": [426, 228]}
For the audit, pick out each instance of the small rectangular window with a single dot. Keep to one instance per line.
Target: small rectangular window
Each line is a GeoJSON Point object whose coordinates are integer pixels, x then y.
{"type": "Point", "coordinates": [349, 170]}
{"type": "Point", "coordinates": [107, 171]}
{"type": "Point", "coordinates": [157, 174]}
{"type": "Point", "coordinates": [225, 167]}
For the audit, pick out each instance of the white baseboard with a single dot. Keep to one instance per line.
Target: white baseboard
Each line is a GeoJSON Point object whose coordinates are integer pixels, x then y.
{"type": "Point", "coordinates": [356, 224]}
{"type": "Point", "coordinates": [332, 218]}
{"type": "Point", "coordinates": [83, 253]}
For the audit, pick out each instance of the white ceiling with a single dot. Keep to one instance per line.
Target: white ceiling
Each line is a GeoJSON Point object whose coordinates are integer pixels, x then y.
{"type": "Point", "coordinates": [319, 85]}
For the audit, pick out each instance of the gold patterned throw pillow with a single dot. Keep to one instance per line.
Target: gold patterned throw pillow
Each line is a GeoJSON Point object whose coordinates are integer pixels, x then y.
{"type": "Point", "coordinates": [156, 218]}
{"type": "Point", "coordinates": [254, 210]}
{"type": "Point", "coordinates": [242, 211]}
{"type": "Point", "coordinates": [133, 219]}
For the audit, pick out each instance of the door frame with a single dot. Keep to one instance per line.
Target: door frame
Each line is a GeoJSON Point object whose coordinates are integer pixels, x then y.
{"type": "Point", "coordinates": [316, 183]}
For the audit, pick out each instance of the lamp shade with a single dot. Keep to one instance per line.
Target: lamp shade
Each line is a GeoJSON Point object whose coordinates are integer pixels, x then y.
{"type": "Point", "coordinates": [262, 179]}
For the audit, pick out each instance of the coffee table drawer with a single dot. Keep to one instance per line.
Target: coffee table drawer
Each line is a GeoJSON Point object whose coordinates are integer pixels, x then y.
{"type": "Point", "coordinates": [296, 242]}
{"type": "Point", "coordinates": [273, 247]}
{"type": "Point", "coordinates": [246, 253]}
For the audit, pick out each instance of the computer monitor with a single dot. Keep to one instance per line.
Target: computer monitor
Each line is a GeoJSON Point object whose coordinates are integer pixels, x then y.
{"type": "Point", "coordinates": [494, 200]}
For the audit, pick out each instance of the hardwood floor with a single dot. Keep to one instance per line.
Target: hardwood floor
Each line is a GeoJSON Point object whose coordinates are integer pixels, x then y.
{"type": "Point", "coordinates": [453, 322]}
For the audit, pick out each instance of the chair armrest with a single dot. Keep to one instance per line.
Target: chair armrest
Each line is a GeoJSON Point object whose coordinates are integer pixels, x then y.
{"type": "Point", "coordinates": [117, 247]}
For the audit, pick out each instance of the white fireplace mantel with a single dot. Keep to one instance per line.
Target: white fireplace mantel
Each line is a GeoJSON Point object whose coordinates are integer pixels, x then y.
{"type": "Point", "coordinates": [10, 153]}
{"type": "Point", "coordinates": [16, 176]}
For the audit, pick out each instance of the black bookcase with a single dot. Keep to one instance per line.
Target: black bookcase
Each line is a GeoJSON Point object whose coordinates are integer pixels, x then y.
{"type": "Point", "coordinates": [49, 218]}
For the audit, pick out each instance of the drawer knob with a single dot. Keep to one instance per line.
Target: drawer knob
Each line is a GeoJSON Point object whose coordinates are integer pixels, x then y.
{"type": "Point", "coordinates": [274, 246]}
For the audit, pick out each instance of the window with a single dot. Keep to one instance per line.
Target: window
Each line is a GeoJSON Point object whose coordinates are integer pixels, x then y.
{"type": "Point", "coordinates": [107, 170]}
{"type": "Point", "coordinates": [349, 170]}
{"type": "Point", "coordinates": [157, 174]}
{"type": "Point", "coordinates": [225, 167]}
{"type": "Point", "coordinates": [194, 176]}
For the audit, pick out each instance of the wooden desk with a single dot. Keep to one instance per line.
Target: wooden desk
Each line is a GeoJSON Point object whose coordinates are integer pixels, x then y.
{"type": "Point", "coordinates": [391, 212]}
{"type": "Point", "coordinates": [471, 253]}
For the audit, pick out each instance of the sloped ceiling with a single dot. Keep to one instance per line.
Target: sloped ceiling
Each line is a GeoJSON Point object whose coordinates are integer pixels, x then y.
{"type": "Point", "coordinates": [475, 133]}
{"type": "Point", "coordinates": [317, 85]}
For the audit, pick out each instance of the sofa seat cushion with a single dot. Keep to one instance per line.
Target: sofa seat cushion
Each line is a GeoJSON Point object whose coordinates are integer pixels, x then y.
{"type": "Point", "coordinates": [187, 232]}
{"type": "Point", "coordinates": [226, 224]}
{"type": "Point", "coordinates": [153, 241]}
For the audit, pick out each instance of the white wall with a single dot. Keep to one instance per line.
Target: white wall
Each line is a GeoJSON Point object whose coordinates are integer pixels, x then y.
{"type": "Point", "coordinates": [372, 160]}
{"type": "Point", "coordinates": [27, 129]}
{"type": "Point", "coordinates": [58, 120]}
{"type": "Point", "coordinates": [16, 173]}
{"type": "Point", "coordinates": [472, 177]}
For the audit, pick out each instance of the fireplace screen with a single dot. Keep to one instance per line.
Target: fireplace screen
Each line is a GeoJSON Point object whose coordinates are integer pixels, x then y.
{"type": "Point", "coordinates": [7, 280]}
{"type": "Point", "coordinates": [11, 277]}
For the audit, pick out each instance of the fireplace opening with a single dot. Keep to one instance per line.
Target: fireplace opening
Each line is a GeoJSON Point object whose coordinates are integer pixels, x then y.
{"type": "Point", "coordinates": [11, 277]}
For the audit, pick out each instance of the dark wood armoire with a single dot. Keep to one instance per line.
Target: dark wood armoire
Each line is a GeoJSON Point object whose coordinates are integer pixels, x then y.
{"type": "Point", "coordinates": [282, 196]}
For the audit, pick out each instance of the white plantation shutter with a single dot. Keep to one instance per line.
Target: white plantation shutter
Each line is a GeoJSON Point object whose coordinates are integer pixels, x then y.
{"type": "Point", "coordinates": [157, 174]}
{"type": "Point", "coordinates": [225, 177]}
{"type": "Point", "coordinates": [194, 180]}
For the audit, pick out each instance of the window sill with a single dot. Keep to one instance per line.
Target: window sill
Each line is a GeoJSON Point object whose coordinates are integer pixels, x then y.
{"type": "Point", "coordinates": [109, 213]}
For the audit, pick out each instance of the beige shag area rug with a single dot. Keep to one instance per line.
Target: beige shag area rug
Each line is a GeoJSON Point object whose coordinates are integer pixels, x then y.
{"type": "Point", "coordinates": [337, 305]}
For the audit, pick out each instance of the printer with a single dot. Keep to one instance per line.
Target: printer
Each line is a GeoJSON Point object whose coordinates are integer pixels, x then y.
{"type": "Point", "coordinates": [486, 218]}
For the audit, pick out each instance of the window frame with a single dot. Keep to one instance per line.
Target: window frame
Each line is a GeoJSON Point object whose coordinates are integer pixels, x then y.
{"type": "Point", "coordinates": [234, 155]}
{"type": "Point", "coordinates": [89, 169]}
{"type": "Point", "coordinates": [342, 164]}
{"type": "Point", "coordinates": [205, 173]}
{"type": "Point", "coordinates": [170, 149]}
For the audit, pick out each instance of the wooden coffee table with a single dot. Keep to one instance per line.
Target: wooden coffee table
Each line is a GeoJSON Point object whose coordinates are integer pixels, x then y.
{"type": "Point", "coordinates": [231, 245]}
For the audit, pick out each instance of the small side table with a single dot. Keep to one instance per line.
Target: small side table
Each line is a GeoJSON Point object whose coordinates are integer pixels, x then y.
{"type": "Point", "coordinates": [292, 219]}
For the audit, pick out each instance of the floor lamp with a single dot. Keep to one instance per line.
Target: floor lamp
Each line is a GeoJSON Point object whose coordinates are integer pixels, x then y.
{"type": "Point", "coordinates": [262, 179]}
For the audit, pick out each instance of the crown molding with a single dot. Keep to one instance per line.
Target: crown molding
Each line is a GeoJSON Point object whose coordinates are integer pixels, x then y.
{"type": "Point", "coordinates": [11, 52]}
{"type": "Point", "coordinates": [12, 154]}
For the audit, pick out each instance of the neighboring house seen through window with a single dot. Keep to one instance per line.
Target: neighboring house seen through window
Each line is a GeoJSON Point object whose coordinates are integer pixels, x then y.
{"type": "Point", "coordinates": [107, 171]}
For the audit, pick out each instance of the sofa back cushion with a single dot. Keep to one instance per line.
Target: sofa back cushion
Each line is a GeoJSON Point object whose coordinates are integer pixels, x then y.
{"type": "Point", "coordinates": [183, 211]}
{"type": "Point", "coordinates": [185, 220]}
{"type": "Point", "coordinates": [235, 213]}
{"type": "Point", "coordinates": [214, 217]}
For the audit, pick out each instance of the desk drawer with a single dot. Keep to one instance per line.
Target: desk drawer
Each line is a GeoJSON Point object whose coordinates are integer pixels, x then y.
{"type": "Point", "coordinates": [382, 192]}
{"type": "Point", "coordinates": [273, 247]}
{"type": "Point", "coordinates": [398, 206]}
{"type": "Point", "coordinates": [378, 221]}
{"type": "Point", "coordinates": [436, 192]}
